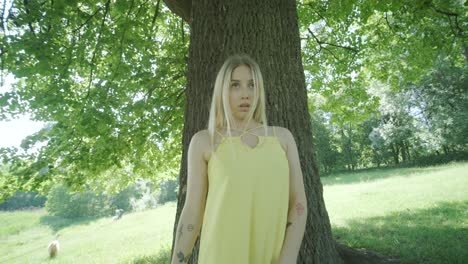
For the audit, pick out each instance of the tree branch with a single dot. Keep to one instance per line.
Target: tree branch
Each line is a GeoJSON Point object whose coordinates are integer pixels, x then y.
{"type": "Point", "coordinates": [181, 8]}
{"type": "Point", "coordinates": [156, 12]}
{"type": "Point", "coordinates": [331, 44]}
{"type": "Point", "coordinates": [31, 28]}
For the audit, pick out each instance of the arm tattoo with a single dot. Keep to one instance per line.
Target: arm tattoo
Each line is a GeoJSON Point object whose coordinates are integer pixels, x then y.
{"type": "Point", "coordinates": [288, 224]}
{"type": "Point", "coordinates": [299, 209]}
{"type": "Point", "coordinates": [180, 232]}
{"type": "Point", "coordinates": [182, 258]}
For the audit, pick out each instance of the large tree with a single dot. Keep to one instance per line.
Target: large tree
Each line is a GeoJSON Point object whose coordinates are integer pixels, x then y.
{"type": "Point", "coordinates": [267, 30]}
{"type": "Point", "coordinates": [110, 76]}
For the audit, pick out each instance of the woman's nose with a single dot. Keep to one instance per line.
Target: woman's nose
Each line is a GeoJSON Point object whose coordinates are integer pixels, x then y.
{"type": "Point", "coordinates": [245, 92]}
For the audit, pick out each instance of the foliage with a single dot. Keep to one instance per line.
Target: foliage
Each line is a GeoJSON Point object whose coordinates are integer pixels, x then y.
{"type": "Point", "coordinates": [168, 191]}
{"type": "Point", "coordinates": [122, 199]}
{"type": "Point", "coordinates": [23, 200]}
{"type": "Point", "coordinates": [108, 76]}
{"type": "Point", "coordinates": [396, 69]}
{"type": "Point", "coordinates": [60, 202]}
{"type": "Point", "coordinates": [325, 152]}
{"type": "Point", "coordinates": [431, 160]}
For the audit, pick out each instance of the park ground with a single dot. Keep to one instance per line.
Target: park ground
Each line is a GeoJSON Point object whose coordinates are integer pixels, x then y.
{"type": "Point", "coordinates": [417, 214]}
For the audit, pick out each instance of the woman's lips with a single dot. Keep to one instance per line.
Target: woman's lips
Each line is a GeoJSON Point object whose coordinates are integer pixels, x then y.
{"type": "Point", "coordinates": [244, 108]}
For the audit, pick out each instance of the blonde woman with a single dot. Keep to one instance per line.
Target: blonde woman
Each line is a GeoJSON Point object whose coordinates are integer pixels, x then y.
{"type": "Point", "coordinates": [244, 182]}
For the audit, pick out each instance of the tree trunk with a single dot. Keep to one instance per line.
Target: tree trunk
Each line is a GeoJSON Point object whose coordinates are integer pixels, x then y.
{"type": "Point", "coordinates": [408, 154]}
{"type": "Point", "coordinates": [403, 151]}
{"type": "Point", "coordinates": [395, 153]}
{"type": "Point", "coordinates": [268, 31]}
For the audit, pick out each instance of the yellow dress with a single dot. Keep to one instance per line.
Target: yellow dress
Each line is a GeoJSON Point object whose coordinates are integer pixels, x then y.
{"type": "Point", "coordinates": [247, 203]}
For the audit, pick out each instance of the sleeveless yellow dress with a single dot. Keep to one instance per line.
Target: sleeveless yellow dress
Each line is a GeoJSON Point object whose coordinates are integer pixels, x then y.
{"type": "Point", "coordinates": [247, 202]}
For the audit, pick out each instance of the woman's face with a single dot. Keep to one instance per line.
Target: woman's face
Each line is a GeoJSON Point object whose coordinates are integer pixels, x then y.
{"type": "Point", "coordinates": [241, 91]}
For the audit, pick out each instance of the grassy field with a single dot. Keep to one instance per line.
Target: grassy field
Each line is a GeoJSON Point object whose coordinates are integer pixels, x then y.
{"type": "Point", "coordinates": [418, 214]}
{"type": "Point", "coordinates": [25, 237]}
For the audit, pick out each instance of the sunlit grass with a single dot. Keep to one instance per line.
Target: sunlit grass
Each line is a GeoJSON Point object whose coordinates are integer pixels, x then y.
{"type": "Point", "coordinates": [399, 191]}
{"type": "Point", "coordinates": [417, 214]}
{"type": "Point", "coordinates": [98, 241]}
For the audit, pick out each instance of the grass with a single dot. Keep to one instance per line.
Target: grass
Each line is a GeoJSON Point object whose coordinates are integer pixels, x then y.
{"type": "Point", "coordinates": [417, 214]}
{"type": "Point", "coordinates": [433, 235]}
{"type": "Point", "coordinates": [98, 241]}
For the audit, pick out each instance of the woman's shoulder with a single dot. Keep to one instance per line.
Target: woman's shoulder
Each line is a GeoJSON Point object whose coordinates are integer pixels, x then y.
{"type": "Point", "coordinates": [282, 134]}
{"type": "Point", "coordinates": [201, 137]}
{"type": "Point", "coordinates": [200, 142]}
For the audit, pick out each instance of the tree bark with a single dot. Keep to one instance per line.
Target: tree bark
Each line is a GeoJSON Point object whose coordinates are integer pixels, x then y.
{"type": "Point", "coordinates": [403, 151]}
{"type": "Point", "coordinates": [395, 152]}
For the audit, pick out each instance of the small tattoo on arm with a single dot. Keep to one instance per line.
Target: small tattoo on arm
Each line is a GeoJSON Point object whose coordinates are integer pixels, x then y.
{"type": "Point", "coordinates": [288, 224]}
{"type": "Point", "coordinates": [190, 227]}
{"type": "Point", "coordinates": [299, 209]}
{"type": "Point", "coordinates": [182, 258]}
{"type": "Point", "coordinates": [180, 232]}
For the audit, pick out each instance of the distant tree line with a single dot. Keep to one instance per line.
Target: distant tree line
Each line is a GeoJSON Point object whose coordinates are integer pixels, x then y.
{"type": "Point", "coordinates": [62, 201]}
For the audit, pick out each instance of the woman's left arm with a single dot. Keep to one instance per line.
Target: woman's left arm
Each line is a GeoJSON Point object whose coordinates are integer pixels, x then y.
{"type": "Point", "coordinates": [297, 214]}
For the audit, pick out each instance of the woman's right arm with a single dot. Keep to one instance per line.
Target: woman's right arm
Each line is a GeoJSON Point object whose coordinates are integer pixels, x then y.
{"type": "Point", "coordinates": [191, 218]}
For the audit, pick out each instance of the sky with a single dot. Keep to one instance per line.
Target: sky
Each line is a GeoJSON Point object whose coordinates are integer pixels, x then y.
{"type": "Point", "coordinates": [12, 132]}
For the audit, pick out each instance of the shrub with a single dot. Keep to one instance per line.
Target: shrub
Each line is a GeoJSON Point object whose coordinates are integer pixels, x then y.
{"type": "Point", "coordinates": [60, 202]}
{"type": "Point", "coordinates": [168, 191]}
{"type": "Point", "coordinates": [22, 200]}
{"type": "Point", "coordinates": [148, 198]}
{"type": "Point", "coordinates": [122, 199]}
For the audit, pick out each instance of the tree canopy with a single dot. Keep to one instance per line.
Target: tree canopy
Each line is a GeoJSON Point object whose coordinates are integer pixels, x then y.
{"type": "Point", "coordinates": [109, 79]}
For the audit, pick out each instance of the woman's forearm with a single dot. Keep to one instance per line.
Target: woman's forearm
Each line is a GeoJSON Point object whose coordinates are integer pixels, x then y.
{"type": "Point", "coordinates": [295, 229]}
{"type": "Point", "coordinates": [188, 229]}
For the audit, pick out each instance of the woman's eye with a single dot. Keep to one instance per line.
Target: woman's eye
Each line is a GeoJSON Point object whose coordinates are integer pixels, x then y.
{"type": "Point", "coordinates": [251, 85]}
{"type": "Point", "coordinates": [235, 85]}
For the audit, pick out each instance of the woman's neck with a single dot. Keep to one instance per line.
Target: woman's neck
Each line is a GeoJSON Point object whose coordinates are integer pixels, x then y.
{"type": "Point", "coordinates": [240, 126]}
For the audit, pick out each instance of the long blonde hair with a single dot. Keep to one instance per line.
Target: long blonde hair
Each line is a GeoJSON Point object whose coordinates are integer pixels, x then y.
{"type": "Point", "coordinates": [220, 111]}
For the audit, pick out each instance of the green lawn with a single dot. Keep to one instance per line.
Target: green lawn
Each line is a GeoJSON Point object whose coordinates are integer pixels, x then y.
{"type": "Point", "coordinates": [418, 214]}
{"type": "Point", "coordinates": [98, 241]}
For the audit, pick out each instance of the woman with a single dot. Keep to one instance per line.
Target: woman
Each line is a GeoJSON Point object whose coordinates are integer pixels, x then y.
{"type": "Point", "coordinates": [244, 181]}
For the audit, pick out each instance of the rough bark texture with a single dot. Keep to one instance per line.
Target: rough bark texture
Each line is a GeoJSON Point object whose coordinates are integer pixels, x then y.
{"type": "Point", "coordinates": [268, 31]}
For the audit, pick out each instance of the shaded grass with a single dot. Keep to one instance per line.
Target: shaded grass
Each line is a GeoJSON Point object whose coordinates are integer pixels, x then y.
{"type": "Point", "coordinates": [434, 235]}
{"type": "Point", "coordinates": [56, 223]}
{"type": "Point", "coordinates": [162, 257]}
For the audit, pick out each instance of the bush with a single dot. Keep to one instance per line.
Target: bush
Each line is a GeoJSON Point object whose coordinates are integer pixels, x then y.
{"type": "Point", "coordinates": [434, 159]}
{"type": "Point", "coordinates": [60, 202]}
{"type": "Point", "coordinates": [122, 199]}
{"type": "Point", "coordinates": [22, 200]}
{"type": "Point", "coordinates": [168, 191]}
{"type": "Point", "coordinates": [148, 198]}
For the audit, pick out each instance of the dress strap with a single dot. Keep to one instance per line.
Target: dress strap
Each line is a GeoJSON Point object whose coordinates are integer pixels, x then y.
{"type": "Point", "coordinates": [222, 136]}
{"type": "Point", "coordinates": [249, 131]}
